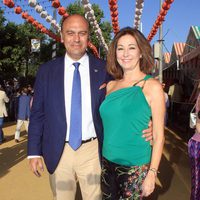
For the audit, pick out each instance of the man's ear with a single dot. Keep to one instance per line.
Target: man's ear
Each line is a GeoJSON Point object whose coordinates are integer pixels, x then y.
{"type": "Point", "coordinates": [61, 36]}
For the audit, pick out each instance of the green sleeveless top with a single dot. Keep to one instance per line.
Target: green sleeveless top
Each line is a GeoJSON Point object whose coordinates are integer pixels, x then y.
{"type": "Point", "coordinates": [125, 114]}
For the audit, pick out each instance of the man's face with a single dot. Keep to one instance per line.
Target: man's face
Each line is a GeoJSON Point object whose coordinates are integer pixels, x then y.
{"type": "Point", "coordinates": [75, 36]}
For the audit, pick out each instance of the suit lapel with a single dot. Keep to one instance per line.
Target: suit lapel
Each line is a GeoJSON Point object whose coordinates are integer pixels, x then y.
{"type": "Point", "coordinates": [92, 81]}
{"type": "Point", "coordinates": [95, 79]}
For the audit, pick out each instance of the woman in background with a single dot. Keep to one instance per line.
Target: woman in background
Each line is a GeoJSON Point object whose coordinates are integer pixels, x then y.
{"type": "Point", "coordinates": [194, 154]}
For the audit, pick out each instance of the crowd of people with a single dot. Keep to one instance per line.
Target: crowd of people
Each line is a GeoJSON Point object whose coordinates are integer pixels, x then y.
{"type": "Point", "coordinates": [15, 104]}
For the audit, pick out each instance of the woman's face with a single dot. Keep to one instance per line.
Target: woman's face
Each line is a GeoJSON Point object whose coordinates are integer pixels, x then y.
{"type": "Point", "coordinates": [128, 53]}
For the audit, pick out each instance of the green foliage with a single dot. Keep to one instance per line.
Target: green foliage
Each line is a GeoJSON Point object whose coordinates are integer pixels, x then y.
{"type": "Point", "coordinates": [16, 58]}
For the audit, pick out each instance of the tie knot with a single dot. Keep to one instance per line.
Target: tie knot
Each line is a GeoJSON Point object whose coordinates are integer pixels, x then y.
{"type": "Point", "coordinates": [76, 65]}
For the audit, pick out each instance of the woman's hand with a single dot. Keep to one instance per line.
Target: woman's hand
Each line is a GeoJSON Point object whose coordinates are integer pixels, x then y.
{"type": "Point", "coordinates": [148, 185]}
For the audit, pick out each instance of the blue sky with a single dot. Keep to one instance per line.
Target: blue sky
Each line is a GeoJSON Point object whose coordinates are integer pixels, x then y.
{"type": "Point", "coordinates": [181, 15]}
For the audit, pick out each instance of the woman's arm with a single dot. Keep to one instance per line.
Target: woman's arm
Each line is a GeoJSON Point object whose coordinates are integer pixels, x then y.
{"type": "Point", "coordinates": [157, 104]}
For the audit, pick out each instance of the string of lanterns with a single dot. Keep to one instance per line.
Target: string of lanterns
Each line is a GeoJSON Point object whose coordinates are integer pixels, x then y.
{"type": "Point", "coordinates": [43, 13]}
{"type": "Point", "coordinates": [30, 19]}
{"type": "Point", "coordinates": [89, 15]}
{"type": "Point", "coordinates": [114, 15]}
{"type": "Point", "coordinates": [94, 49]}
{"type": "Point", "coordinates": [139, 4]}
{"type": "Point", "coordinates": [161, 17]}
{"type": "Point", "coordinates": [61, 10]}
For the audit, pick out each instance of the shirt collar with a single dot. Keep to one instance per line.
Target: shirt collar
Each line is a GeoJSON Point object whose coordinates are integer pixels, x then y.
{"type": "Point", "coordinates": [69, 62]}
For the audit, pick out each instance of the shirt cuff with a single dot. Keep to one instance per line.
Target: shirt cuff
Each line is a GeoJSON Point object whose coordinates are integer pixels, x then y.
{"type": "Point", "coordinates": [34, 156]}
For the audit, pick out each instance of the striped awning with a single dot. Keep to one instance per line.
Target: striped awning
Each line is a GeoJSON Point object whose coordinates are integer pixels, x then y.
{"type": "Point", "coordinates": [179, 47]}
{"type": "Point", "coordinates": [167, 56]}
{"type": "Point", "coordinates": [190, 55]}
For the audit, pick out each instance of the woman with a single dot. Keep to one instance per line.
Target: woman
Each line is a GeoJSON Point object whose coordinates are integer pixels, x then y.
{"type": "Point", "coordinates": [3, 112]}
{"type": "Point", "coordinates": [194, 154]}
{"type": "Point", "coordinates": [130, 164]}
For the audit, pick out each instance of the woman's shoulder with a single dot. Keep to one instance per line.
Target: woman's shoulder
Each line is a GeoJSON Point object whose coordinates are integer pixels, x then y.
{"type": "Point", "coordinates": [153, 86]}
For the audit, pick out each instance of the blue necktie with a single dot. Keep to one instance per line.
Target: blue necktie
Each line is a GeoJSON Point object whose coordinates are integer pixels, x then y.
{"type": "Point", "coordinates": [75, 133]}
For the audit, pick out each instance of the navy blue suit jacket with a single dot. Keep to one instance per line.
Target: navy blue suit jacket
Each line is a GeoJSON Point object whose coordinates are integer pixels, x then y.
{"type": "Point", "coordinates": [47, 128]}
{"type": "Point", "coordinates": [23, 109]}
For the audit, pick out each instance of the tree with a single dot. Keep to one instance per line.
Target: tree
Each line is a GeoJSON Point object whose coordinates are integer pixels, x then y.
{"type": "Point", "coordinates": [15, 44]}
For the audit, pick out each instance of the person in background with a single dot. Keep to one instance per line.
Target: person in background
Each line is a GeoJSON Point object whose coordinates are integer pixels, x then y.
{"type": "Point", "coordinates": [175, 96]}
{"type": "Point", "coordinates": [194, 155]}
{"type": "Point", "coordinates": [65, 126]}
{"type": "Point", "coordinates": [166, 103]}
{"type": "Point", "coordinates": [3, 112]}
{"type": "Point", "coordinates": [130, 164]}
{"type": "Point", "coordinates": [23, 112]}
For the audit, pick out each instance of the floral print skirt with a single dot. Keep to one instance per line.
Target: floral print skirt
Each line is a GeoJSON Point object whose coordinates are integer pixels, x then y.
{"type": "Point", "coordinates": [120, 182]}
{"type": "Point", "coordinates": [194, 154]}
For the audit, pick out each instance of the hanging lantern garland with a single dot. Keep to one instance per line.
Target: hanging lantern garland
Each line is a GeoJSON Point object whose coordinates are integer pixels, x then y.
{"type": "Point", "coordinates": [93, 48]}
{"type": "Point", "coordinates": [114, 15]}
{"type": "Point", "coordinates": [31, 20]}
{"type": "Point", "coordinates": [61, 10]}
{"type": "Point", "coordinates": [43, 13]}
{"type": "Point", "coordinates": [89, 15]}
{"type": "Point", "coordinates": [139, 4]}
{"type": "Point", "coordinates": [9, 3]}
{"type": "Point", "coordinates": [161, 17]}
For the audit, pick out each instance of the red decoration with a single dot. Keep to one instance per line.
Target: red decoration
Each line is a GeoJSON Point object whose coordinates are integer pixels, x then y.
{"type": "Point", "coordinates": [112, 2]}
{"type": "Point", "coordinates": [158, 22]}
{"type": "Point", "coordinates": [114, 7]}
{"type": "Point", "coordinates": [163, 12]}
{"type": "Point", "coordinates": [30, 19]}
{"type": "Point", "coordinates": [161, 18]}
{"type": "Point", "coordinates": [40, 26]}
{"type": "Point", "coordinates": [18, 10]}
{"type": "Point", "coordinates": [35, 23]}
{"type": "Point", "coordinates": [44, 30]}
{"type": "Point", "coordinates": [166, 6]}
{"type": "Point", "coordinates": [9, 3]}
{"type": "Point", "coordinates": [56, 3]}
{"type": "Point", "coordinates": [25, 15]}
{"type": "Point", "coordinates": [114, 14]}
{"type": "Point", "coordinates": [65, 15]}
{"type": "Point", "coordinates": [169, 1]}
{"type": "Point", "coordinates": [61, 11]}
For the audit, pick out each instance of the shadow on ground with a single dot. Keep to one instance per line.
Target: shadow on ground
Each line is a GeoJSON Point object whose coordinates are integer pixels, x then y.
{"type": "Point", "coordinates": [10, 156]}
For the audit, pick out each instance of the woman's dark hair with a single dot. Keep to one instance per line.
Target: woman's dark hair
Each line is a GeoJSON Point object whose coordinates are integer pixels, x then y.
{"type": "Point", "coordinates": [146, 60]}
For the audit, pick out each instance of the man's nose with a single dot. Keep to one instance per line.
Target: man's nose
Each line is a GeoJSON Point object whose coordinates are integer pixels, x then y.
{"type": "Point", "coordinates": [76, 37]}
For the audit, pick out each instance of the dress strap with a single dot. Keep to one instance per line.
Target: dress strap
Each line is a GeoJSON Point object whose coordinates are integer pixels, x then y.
{"type": "Point", "coordinates": [144, 79]}
{"type": "Point", "coordinates": [138, 82]}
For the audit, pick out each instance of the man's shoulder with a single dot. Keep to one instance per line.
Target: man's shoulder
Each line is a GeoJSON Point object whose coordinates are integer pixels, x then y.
{"type": "Point", "coordinates": [54, 61]}
{"type": "Point", "coordinates": [96, 59]}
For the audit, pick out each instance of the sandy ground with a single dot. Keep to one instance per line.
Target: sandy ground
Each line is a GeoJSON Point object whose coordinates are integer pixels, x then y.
{"type": "Point", "coordinates": [18, 183]}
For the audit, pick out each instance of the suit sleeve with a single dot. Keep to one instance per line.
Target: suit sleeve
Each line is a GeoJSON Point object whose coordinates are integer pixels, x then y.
{"type": "Point", "coordinates": [36, 125]}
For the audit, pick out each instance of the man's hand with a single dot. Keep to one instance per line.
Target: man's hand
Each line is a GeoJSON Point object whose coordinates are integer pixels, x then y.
{"type": "Point", "coordinates": [148, 133]}
{"type": "Point", "coordinates": [36, 165]}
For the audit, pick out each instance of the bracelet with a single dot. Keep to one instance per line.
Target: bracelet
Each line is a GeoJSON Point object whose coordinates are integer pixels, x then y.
{"type": "Point", "coordinates": [154, 170]}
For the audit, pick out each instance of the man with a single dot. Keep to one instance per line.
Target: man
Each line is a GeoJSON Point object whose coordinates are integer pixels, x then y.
{"type": "Point", "coordinates": [23, 112]}
{"type": "Point", "coordinates": [53, 116]}
{"type": "Point", "coordinates": [3, 112]}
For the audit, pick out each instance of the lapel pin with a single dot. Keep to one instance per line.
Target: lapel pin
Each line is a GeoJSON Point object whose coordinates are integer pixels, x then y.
{"type": "Point", "coordinates": [95, 70]}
